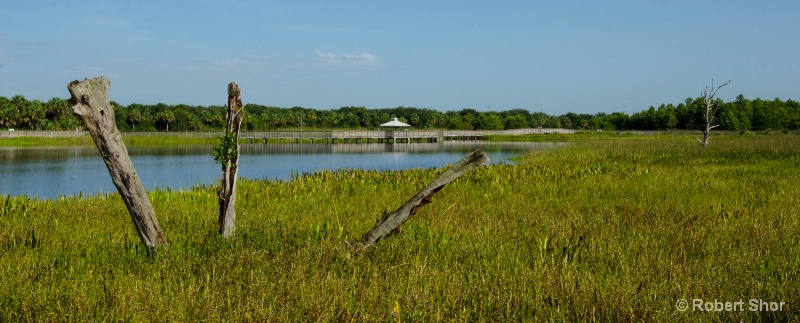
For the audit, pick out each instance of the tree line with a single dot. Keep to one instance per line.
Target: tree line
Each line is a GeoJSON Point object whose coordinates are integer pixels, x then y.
{"type": "Point", "coordinates": [741, 114]}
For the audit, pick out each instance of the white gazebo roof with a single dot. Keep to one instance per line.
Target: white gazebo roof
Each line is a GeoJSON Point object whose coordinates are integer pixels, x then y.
{"type": "Point", "coordinates": [395, 123]}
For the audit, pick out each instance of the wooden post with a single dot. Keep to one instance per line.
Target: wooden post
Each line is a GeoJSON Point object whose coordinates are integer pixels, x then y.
{"type": "Point", "coordinates": [90, 103]}
{"type": "Point", "coordinates": [392, 221]}
{"type": "Point", "coordinates": [230, 165]}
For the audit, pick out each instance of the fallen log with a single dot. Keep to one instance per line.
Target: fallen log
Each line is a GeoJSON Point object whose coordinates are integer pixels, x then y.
{"type": "Point", "coordinates": [90, 103]}
{"type": "Point", "coordinates": [391, 221]}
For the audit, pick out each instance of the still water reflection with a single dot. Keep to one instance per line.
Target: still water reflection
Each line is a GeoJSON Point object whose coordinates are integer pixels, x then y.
{"type": "Point", "coordinates": [48, 172]}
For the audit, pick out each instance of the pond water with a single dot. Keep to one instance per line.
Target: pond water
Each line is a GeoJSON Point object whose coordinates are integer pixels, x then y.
{"type": "Point", "coordinates": [49, 172]}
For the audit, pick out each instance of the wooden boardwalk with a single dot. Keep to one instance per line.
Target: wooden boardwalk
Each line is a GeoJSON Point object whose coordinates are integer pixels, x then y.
{"type": "Point", "coordinates": [343, 136]}
{"type": "Point", "coordinates": [380, 136]}
{"type": "Point", "coordinates": [335, 136]}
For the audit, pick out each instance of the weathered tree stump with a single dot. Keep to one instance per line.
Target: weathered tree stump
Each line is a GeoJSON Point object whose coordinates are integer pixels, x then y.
{"type": "Point", "coordinates": [392, 221]}
{"type": "Point", "coordinates": [90, 103]}
{"type": "Point", "coordinates": [228, 155]}
{"type": "Point", "coordinates": [708, 120]}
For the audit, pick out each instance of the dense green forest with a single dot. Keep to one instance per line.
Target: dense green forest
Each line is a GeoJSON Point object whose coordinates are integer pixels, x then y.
{"type": "Point", "coordinates": [741, 114]}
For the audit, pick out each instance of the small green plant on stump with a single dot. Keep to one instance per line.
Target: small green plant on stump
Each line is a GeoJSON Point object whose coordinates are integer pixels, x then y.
{"type": "Point", "coordinates": [227, 148]}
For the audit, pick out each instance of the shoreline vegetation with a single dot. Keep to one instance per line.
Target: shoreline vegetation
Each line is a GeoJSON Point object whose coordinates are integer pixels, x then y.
{"type": "Point", "coordinates": [60, 138]}
{"type": "Point", "coordinates": [742, 114]}
{"type": "Point", "coordinates": [601, 230]}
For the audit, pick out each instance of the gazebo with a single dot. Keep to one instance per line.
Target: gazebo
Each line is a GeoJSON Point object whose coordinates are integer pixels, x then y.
{"type": "Point", "coordinates": [395, 124]}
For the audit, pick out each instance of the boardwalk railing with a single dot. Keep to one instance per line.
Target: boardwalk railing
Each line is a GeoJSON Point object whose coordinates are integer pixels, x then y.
{"type": "Point", "coordinates": [329, 134]}
{"type": "Point", "coordinates": [40, 133]}
{"type": "Point", "coordinates": [345, 135]}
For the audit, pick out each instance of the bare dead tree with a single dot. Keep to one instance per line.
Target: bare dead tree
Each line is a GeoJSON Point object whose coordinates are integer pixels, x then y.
{"type": "Point", "coordinates": [708, 100]}
{"type": "Point", "coordinates": [90, 103]}
{"type": "Point", "coordinates": [391, 221]}
{"type": "Point", "coordinates": [227, 154]}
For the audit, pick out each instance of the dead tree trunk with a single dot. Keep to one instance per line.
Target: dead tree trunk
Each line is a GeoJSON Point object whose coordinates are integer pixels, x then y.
{"type": "Point", "coordinates": [708, 100]}
{"type": "Point", "coordinates": [392, 221]}
{"type": "Point", "coordinates": [90, 103]}
{"type": "Point", "coordinates": [227, 153]}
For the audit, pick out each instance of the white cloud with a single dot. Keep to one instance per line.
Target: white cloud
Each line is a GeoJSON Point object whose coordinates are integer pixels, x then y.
{"type": "Point", "coordinates": [363, 59]}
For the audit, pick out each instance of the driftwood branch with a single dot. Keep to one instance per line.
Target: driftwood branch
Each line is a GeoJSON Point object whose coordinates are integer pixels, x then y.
{"type": "Point", "coordinates": [230, 162]}
{"type": "Point", "coordinates": [90, 103]}
{"type": "Point", "coordinates": [392, 221]}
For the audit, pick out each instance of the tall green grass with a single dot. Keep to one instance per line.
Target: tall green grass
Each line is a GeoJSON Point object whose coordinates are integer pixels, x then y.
{"type": "Point", "coordinates": [46, 141]}
{"type": "Point", "coordinates": [86, 140]}
{"type": "Point", "coordinates": [615, 230]}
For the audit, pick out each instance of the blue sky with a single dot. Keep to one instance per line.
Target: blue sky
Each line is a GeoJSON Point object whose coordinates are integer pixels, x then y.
{"type": "Point", "coordinates": [551, 56]}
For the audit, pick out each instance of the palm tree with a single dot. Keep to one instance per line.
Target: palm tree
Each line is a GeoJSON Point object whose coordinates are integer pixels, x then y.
{"type": "Point", "coordinates": [135, 116]}
{"type": "Point", "coordinates": [166, 117]}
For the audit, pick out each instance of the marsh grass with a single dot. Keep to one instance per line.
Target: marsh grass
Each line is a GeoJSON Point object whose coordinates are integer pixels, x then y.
{"type": "Point", "coordinates": [584, 135]}
{"type": "Point", "coordinates": [46, 141]}
{"type": "Point", "coordinates": [602, 230]}
{"type": "Point", "coordinates": [167, 139]}
{"type": "Point", "coordinates": [577, 136]}
{"type": "Point", "coordinates": [86, 140]}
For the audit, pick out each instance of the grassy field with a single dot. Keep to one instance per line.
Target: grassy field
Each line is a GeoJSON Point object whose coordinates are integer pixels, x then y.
{"type": "Point", "coordinates": [577, 136]}
{"type": "Point", "coordinates": [46, 141]}
{"type": "Point", "coordinates": [626, 135]}
{"type": "Point", "coordinates": [601, 230]}
{"type": "Point", "coordinates": [86, 140]}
